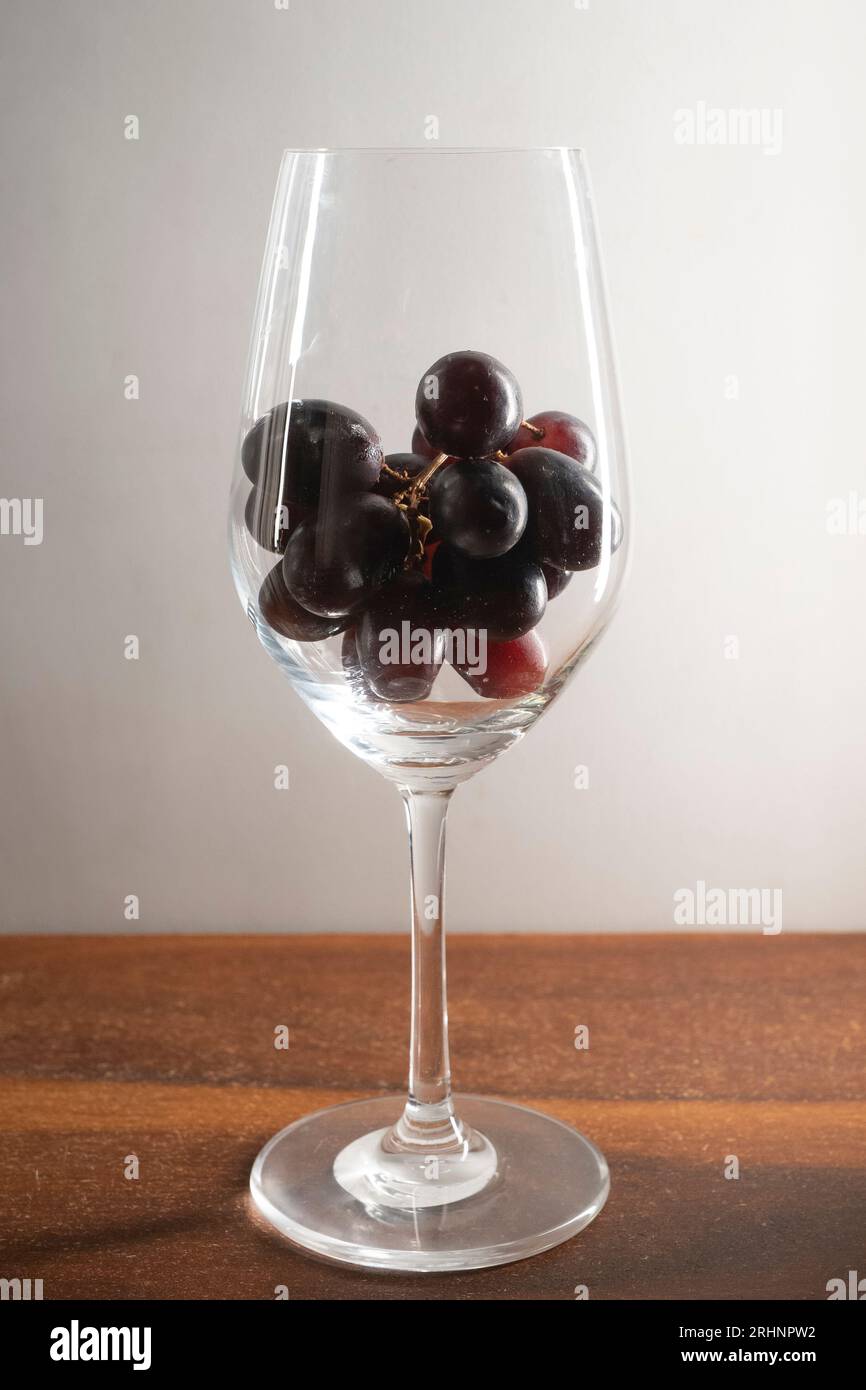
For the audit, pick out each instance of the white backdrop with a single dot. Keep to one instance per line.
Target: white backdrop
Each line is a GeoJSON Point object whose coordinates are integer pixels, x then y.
{"type": "Point", "coordinates": [721, 719]}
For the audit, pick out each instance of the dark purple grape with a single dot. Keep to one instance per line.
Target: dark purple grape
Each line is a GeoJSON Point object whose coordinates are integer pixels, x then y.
{"type": "Point", "coordinates": [477, 506]}
{"type": "Point", "coordinates": [336, 561]}
{"type": "Point", "coordinates": [352, 666]}
{"type": "Point", "coordinates": [406, 466]}
{"type": "Point", "coordinates": [314, 452]}
{"type": "Point", "coordinates": [504, 597]}
{"type": "Point", "coordinates": [564, 433]}
{"type": "Point", "coordinates": [556, 580]}
{"type": "Point", "coordinates": [421, 446]}
{"type": "Point", "coordinates": [270, 526]}
{"type": "Point", "coordinates": [617, 528]}
{"type": "Point", "coordinates": [566, 508]}
{"type": "Point", "coordinates": [400, 651]}
{"type": "Point", "coordinates": [349, 655]}
{"type": "Point", "coordinates": [281, 612]}
{"type": "Point", "coordinates": [468, 404]}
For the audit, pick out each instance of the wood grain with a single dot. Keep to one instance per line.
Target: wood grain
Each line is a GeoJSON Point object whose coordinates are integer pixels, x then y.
{"type": "Point", "coordinates": [701, 1046]}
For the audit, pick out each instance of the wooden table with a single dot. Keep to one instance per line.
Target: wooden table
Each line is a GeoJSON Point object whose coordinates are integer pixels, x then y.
{"type": "Point", "coordinates": [701, 1046]}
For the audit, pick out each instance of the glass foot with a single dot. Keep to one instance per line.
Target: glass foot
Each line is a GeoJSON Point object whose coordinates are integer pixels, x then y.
{"type": "Point", "coordinates": [527, 1182]}
{"type": "Point", "coordinates": [391, 1168]}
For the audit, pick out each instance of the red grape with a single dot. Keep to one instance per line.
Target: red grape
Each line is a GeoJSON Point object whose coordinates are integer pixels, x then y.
{"type": "Point", "coordinates": [513, 668]}
{"type": "Point", "coordinates": [427, 564]}
{"type": "Point", "coordinates": [468, 404]}
{"type": "Point", "coordinates": [564, 433]}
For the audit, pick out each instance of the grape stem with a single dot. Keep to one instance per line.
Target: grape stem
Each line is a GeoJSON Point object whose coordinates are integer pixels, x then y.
{"type": "Point", "coordinates": [392, 472]}
{"type": "Point", "coordinates": [423, 479]}
{"type": "Point", "coordinates": [408, 500]}
{"type": "Point", "coordinates": [535, 430]}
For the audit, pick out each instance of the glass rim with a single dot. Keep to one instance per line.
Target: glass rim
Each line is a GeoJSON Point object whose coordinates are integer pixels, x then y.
{"type": "Point", "coordinates": [433, 149]}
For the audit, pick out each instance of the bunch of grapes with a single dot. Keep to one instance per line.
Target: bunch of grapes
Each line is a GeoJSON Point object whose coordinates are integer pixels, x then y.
{"type": "Point", "coordinates": [476, 529]}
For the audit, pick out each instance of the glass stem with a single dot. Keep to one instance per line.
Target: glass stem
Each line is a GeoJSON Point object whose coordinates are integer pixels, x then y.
{"type": "Point", "coordinates": [428, 1120]}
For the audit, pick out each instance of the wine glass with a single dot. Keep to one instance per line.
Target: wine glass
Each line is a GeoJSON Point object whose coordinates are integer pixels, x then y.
{"type": "Point", "coordinates": [429, 525]}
